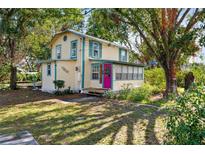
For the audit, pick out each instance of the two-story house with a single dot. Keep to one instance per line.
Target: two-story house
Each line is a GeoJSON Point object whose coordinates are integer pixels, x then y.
{"type": "Point", "coordinates": [84, 61]}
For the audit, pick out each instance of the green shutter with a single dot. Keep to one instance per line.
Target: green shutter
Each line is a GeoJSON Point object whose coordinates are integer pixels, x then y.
{"type": "Point", "coordinates": [100, 50]}
{"type": "Point", "coordinates": [119, 54]}
{"type": "Point", "coordinates": [90, 48]}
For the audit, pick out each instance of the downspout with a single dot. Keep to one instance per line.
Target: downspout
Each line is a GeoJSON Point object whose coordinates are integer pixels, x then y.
{"type": "Point", "coordinates": [55, 70]}
{"type": "Point", "coordinates": [83, 62]}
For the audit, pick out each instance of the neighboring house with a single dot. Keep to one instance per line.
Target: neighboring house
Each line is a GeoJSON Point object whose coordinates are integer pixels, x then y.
{"type": "Point", "coordinates": [84, 61]}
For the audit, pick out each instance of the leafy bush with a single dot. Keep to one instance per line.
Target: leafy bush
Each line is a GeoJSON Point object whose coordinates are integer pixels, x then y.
{"type": "Point", "coordinates": [67, 91]}
{"type": "Point", "coordinates": [4, 72]}
{"type": "Point", "coordinates": [63, 92]}
{"type": "Point", "coordinates": [140, 94]}
{"type": "Point", "coordinates": [186, 123]}
{"type": "Point", "coordinates": [123, 93]}
{"type": "Point", "coordinates": [180, 78]}
{"type": "Point", "coordinates": [198, 71]}
{"type": "Point", "coordinates": [110, 94]}
{"type": "Point", "coordinates": [156, 78]}
{"type": "Point", "coordinates": [28, 77]}
{"type": "Point", "coordinates": [59, 84]}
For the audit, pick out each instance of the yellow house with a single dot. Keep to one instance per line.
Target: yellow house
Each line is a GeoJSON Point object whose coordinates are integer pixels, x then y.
{"type": "Point", "coordinates": [84, 61]}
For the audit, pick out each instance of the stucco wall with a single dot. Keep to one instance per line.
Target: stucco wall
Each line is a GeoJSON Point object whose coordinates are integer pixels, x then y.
{"type": "Point", "coordinates": [47, 81]}
{"type": "Point", "coordinates": [66, 70]}
{"type": "Point", "coordinates": [118, 85]}
{"type": "Point", "coordinates": [65, 45]}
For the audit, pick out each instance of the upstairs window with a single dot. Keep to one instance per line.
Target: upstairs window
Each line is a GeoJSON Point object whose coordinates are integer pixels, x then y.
{"type": "Point", "coordinates": [95, 71]}
{"type": "Point", "coordinates": [58, 52]}
{"type": "Point", "coordinates": [95, 50]}
{"type": "Point", "coordinates": [123, 55]}
{"type": "Point", "coordinates": [73, 52]}
{"type": "Point", "coordinates": [48, 69]}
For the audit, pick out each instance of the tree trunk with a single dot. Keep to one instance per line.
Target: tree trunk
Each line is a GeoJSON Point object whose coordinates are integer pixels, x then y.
{"type": "Point", "coordinates": [13, 77]}
{"type": "Point", "coordinates": [171, 84]}
{"type": "Point", "coordinates": [13, 69]}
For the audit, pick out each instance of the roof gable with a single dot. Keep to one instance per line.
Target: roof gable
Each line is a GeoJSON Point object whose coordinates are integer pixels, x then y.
{"type": "Point", "coordinates": [88, 36]}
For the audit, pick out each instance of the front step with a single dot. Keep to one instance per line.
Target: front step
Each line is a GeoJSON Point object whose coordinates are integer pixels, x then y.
{"type": "Point", "coordinates": [95, 91]}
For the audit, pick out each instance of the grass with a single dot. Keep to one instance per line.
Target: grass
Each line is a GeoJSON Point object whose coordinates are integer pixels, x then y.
{"type": "Point", "coordinates": [100, 122]}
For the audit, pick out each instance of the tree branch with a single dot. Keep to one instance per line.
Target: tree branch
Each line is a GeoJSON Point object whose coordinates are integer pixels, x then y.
{"type": "Point", "coordinates": [182, 18]}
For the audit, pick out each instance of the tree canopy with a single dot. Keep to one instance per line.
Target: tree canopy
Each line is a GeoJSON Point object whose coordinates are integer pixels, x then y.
{"type": "Point", "coordinates": [26, 32]}
{"type": "Point", "coordinates": [168, 35]}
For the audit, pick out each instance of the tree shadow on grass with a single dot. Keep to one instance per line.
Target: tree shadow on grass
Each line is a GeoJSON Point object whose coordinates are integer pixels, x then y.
{"type": "Point", "coordinates": [93, 126]}
{"type": "Point", "coordinates": [131, 114]}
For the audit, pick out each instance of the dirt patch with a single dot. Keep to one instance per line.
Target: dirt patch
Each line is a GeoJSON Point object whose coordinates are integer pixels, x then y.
{"type": "Point", "coordinates": [21, 96]}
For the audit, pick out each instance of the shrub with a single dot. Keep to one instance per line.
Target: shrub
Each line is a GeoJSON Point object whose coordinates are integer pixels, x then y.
{"type": "Point", "coordinates": [180, 78]}
{"type": "Point", "coordinates": [59, 84]}
{"type": "Point", "coordinates": [155, 77]}
{"type": "Point", "coordinates": [4, 72]}
{"type": "Point", "coordinates": [123, 93]}
{"type": "Point", "coordinates": [198, 71]}
{"type": "Point", "coordinates": [58, 93]}
{"type": "Point", "coordinates": [110, 94]}
{"type": "Point", "coordinates": [140, 94]}
{"type": "Point", "coordinates": [186, 123]}
{"type": "Point", "coordinates": [21, 77]}
{"type": "Point", "coordinates": [155, 90]}
{"type": "Point", "coordinates": [28, 77]}
{"type": "Point", "coordinates": [67, 91]}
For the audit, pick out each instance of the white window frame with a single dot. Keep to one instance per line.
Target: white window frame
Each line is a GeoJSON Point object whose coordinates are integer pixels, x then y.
{"type": "Point", "coordinates": [48, 69]}
{"type": "Point", "coordinates": [98, 49]}
{"type": "Point", "coordinates": [95, 68]}
{"type": "Point", "coordinates": [123, 58]}
{"type": "Point", "coordinates": [58, 51]}
{"type": "Point", "coordinates": [74, 50]}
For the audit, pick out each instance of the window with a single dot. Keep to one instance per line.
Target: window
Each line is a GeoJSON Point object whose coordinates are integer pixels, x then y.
{"type": "Point", "coordinates": [95, 71]}
{"type": "Point", "coordinates": [123, 55]}
{"type": "Point", "coordinates": [123, 72]}
{"type": "Point", "coordinates": [135, 73]}
{"type": "Point", "coordinates": [73, 53]}
{"type": "Point", "coordinates": [49, 69]}
{"type": "Point", "coordinates": [130, 73]}
{"type": "Point", "coordinates": [118, 72]}
{"type": "Point", "coordinates": [58, 52]}
{"type": "Point", "coordinates": [95, 49]}
{"type": "Point", "coordinates": [140, 73]}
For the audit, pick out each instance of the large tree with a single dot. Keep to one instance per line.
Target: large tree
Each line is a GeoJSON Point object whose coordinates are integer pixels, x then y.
{"type": "Point", "coordinates": [168, 35]}
{"type": "Point", "coordinates": [16, 25]}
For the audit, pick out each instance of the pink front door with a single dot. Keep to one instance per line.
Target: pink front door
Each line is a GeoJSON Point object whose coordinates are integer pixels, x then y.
{"type": "Point", "coordinates": [107, 73]}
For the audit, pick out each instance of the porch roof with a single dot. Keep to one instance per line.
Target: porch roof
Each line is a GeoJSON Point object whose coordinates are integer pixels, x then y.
{"type": "Point", "coordinates": [116, 62]}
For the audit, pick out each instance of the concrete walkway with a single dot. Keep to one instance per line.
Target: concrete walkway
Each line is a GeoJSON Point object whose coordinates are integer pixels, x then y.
{"type": "Point", "coordinates": [20, 138]}
{"type": "Point", "coordinates": [82, 99]}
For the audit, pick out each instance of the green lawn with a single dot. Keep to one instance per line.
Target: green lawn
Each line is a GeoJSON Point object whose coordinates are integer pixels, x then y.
{"type": "Point", "coordinates": [102, 122]}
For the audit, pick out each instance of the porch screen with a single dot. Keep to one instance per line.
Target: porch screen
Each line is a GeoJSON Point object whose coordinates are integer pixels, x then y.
{"type": "Point", "coordinates": [140, 73]}
{"type": "Point", "coordinates": [118, 72]}
{"type": "Point", "coordinates": [130, 73]}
